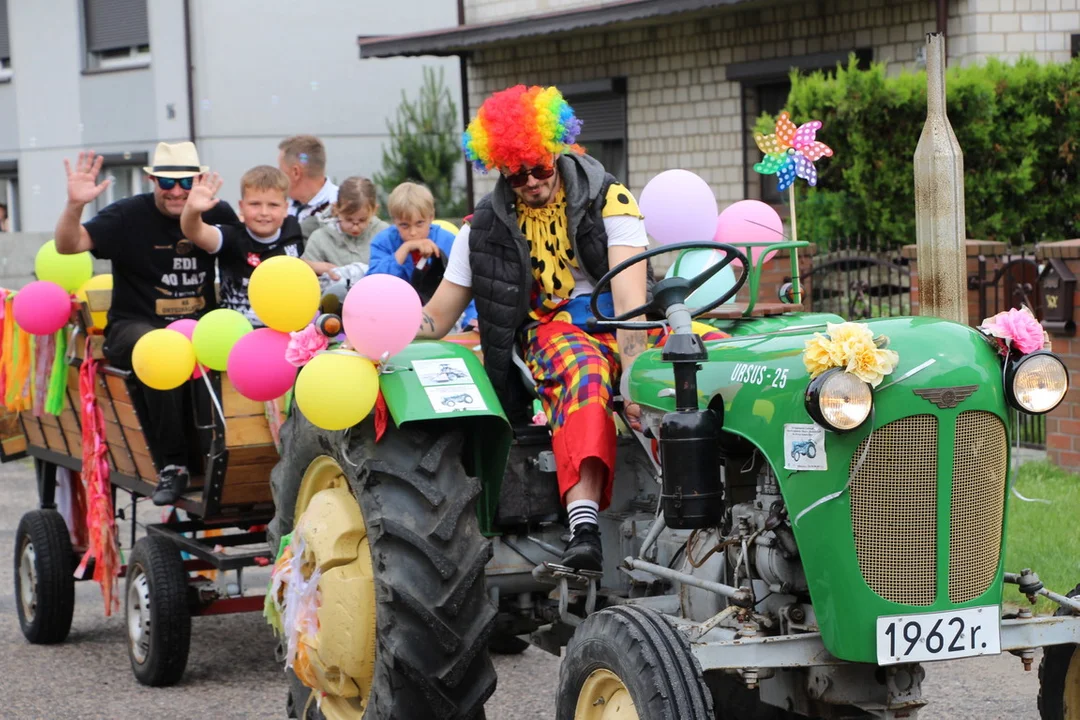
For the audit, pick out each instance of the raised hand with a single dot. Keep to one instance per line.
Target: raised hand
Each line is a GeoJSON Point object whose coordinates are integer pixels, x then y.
{"type": "Point", "coordinates": [203, 194]}
{"type": "Point", "coordinates": [82, 184]}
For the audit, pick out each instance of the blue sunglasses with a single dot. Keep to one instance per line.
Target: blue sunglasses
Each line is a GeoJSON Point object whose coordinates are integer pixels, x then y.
{"type": "Point", "coordinates": [169, 183]}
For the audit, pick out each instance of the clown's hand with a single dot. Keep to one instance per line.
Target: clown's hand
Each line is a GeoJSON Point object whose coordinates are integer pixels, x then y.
{"type": "Point", "coordinates": [631, 410]}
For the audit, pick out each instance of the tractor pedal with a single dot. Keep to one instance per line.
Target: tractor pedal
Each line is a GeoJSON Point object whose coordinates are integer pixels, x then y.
{"type": "Point", "coordinates": [570, 582]}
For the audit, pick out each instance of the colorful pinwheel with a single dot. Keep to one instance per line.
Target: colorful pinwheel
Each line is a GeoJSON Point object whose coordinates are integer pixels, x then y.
{"type": "Point", "coordinates": [790, 152]}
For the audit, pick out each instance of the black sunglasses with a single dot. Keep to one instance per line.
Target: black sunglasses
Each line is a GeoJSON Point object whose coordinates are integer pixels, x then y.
{"type": "Point", "coordinates": [169, 183]}
{"type": "Point", "coordinates": [521, 179]}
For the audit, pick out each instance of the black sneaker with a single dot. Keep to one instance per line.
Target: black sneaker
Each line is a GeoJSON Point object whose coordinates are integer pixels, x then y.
{"type": "Point", "coordinates": [584, 551]}
{"type": "Point", "coordinates": [172, 483]}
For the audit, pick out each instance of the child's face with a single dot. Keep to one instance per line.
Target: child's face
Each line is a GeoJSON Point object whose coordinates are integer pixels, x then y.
{"type": "Point", "coordinates": [263, 211]}
{"type": "Point", "coordinates": [413, 228]}
{"type": "Point", "coordinates": [356, 222]}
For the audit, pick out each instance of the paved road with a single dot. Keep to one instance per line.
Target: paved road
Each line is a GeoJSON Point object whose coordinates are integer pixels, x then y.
{"type": "Point", "coordinates": [232, 673]}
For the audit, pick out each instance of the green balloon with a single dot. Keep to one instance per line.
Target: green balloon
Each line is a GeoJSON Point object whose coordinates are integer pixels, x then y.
{"type": "Point", "coordinates": [67, 271]}
{"type": "Point", "coordinates": [215, 334]}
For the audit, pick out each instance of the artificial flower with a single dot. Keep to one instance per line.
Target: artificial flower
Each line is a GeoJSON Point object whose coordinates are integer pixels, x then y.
{"type": "Point", "coordinates": [851, 346]}
{"type": "Point", "coordinates": [871, 364]}
{"type": "Point", "coordinates": [1017, 328]}
{"type": "Point", "coordinates": [304, 345]}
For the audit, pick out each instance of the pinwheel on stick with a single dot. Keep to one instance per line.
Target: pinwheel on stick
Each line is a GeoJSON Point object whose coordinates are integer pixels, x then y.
{"type": "Point", "coordinates": [790, 153]}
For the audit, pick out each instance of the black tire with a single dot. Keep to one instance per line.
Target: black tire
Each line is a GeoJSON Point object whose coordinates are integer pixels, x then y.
{"type": "Point", "coordinates": [44, 577]}
{"type": "Point", "coordinates": [811, 452]}
{"type": "Point", "coordinates": [157, 591]}
{"type": "Point", "coordinates": [1055, 667]}
{"type": "Point", "coordinates": [433, 614]}
{"type": "Point", "coordinates": [648, 655]}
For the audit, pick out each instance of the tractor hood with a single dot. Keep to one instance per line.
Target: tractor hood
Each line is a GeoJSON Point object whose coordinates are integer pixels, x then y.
{"type": "Point", "coordinates": [924, 463]}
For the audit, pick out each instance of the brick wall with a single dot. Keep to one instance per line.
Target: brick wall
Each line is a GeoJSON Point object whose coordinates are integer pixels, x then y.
{"type": "Point", "coordinates": [682, 110]}
{"type": "Point", "coordinates": [1063, 424]}
{"type": "Point", "coordinates": [1007, 29]}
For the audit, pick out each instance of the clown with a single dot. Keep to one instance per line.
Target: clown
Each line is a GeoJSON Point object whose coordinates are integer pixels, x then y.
{"type": "Point", "coordinates": [530, 257]}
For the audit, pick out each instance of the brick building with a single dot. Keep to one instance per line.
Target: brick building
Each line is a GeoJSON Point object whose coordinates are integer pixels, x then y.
{"type": "Point", "coordinates": [677, 83]}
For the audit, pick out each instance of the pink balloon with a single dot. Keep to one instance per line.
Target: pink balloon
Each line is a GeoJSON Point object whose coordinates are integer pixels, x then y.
{"type": "Point", "coordinates": [186, 328]}
{"type": "Point", "coordinates": [678, 207]}
{"type": "Point", "coordinates": [381, 315]}
{"type": "Point", "coordinates": [750, 221]}
{"type": "Point", "coordinates": [257, 366]}
{"type": "Point", "coordinates": [42, 308]}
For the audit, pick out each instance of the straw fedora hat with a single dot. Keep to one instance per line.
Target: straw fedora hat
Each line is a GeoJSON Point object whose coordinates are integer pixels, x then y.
{"type": "Point", "coordinates": [175, 160]}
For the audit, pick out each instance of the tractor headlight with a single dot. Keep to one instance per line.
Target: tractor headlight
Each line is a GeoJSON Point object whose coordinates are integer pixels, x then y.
{"type": "Point", "coordinates": [838, 400]}
{"type": "Point", "coordinates": [1036, 383]}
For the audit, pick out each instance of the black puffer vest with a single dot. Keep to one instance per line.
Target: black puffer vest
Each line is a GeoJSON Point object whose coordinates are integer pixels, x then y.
{"type": "Point", "coordinates": [502, 278]}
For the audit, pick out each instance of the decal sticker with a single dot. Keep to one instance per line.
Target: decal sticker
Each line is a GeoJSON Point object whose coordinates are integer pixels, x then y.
{"type": "Point", "coordinates": [752, 374]}
{"type": "Point", "coordinates": [455, 397]}
{"type": "Point", "coordinates": [804, 447]}
{"type": "Point", "coordinates": [451, 371]}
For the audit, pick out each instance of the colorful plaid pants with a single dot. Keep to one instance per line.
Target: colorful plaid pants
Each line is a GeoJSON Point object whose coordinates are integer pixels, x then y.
{"type": "Point", "coordinates": [575, 372]}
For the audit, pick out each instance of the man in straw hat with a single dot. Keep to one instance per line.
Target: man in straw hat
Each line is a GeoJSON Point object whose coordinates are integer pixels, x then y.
{"type": "Point", "coordinates": [158, 276]}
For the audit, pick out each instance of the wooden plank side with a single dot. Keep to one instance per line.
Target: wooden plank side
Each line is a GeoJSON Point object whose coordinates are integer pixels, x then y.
{"type": "Point", "coordinates": [253, 455]}
{"type": "Point", "coordinates": [118, 445]}
{"type": "Point", "coordinates": [245, 431]}
{"type": "Point", "coordinates": [126, 416]}
{"type": "Point", "coordinates": [236, 405]}
{"type": "Point", "coordinates": [33, 431]}
{"type": "Point", "coordinates": [117, 387]}
{"type": "Point", "coordinates": [9, 425]}
{"type": "Point", "coordinates": [13, 445]}
{"type": "Point", "coordinates": [246, 494]}
{"type": "Point", "coordinates": [248, 474]}
{"type": "Point", "coordinates": [54, 439]}
{"type": "Point", "coordinates": [145, 465]}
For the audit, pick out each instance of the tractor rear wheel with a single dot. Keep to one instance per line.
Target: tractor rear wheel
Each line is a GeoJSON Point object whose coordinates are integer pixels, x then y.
{"type": "Point", "coordinates": [404, 618]}
{"type": "Point", "coordinates": [629, 663]}
{"type": "Point", "coordinates": [1059, 678]}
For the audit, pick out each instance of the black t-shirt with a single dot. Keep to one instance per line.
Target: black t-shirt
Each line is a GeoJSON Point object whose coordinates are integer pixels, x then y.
{"type": "Point", "coordinates": [158, 274]}
{"type": "Point", "coordinates": [241, 254]}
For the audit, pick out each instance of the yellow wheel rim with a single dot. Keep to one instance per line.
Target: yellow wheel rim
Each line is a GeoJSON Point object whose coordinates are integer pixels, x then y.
{"type": "Point", "coordinates": [603, 696]}
{"type": "Point", "coordinates": [332, 525]}
{"type": "Point", "coordinates": [1071, 701]}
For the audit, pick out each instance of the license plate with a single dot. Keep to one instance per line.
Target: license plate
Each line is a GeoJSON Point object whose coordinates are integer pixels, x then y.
{"type": "Point", "coordinates": [939, 636]}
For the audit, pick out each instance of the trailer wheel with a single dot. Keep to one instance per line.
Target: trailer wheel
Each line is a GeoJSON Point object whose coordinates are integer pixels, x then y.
{"type": "Point", "coordinates": [629, 663]}
{"type": "Point", "coordinates": [157, 612]}
{"type": "Point", "coordinates": [404, 619]}
{"type": "Point", "coordinates": [1059, 678]}
{"type": "Point", "coordinates": [44, 577]}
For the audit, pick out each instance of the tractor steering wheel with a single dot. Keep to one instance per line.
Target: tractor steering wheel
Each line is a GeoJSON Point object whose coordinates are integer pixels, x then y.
{"type": "Point", "coordinates": [670, 294]}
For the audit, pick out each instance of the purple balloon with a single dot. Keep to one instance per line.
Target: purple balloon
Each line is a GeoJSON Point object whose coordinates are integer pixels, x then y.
{"type": "Point", "coordinates": [41, 308]}
{"type": "Point", "coordinates": [678, 207]}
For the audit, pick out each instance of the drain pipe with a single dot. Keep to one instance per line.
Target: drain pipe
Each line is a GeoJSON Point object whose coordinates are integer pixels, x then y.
{"type": "Point", "coordinates": [190, 71]}
{"type": "Point", "coordinates": [463, 68]}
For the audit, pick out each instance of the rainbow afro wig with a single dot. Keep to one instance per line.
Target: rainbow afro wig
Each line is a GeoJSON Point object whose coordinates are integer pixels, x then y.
{"type": "Point", "coordinates": [521, 127]}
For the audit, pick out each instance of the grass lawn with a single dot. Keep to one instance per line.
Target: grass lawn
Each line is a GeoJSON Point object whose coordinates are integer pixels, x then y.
{"type": "Point", "coordinates": [1045, 538]}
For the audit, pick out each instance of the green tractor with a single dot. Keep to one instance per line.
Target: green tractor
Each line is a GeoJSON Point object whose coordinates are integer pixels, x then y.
{"type": "Point", "coordinates": [778, 546]}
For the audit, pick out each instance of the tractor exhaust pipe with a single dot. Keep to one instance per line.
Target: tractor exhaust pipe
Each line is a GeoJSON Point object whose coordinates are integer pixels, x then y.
{"type": "Point", "coordinates": [940, 230]}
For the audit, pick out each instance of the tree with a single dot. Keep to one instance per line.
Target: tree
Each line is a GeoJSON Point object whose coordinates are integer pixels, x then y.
{"type": "Point", "coordinates": [425, 147]}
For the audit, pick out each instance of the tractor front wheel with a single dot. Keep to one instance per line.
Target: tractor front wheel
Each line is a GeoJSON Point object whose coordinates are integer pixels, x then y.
{"type": "Point", "coordinates": [403, 615]}
{"type": "Point", "coordinates": [629, 663]}
{"type": "Point", "coordinates": [1059, 678]}
{"type": "Point", "coordinates": [44, 579]}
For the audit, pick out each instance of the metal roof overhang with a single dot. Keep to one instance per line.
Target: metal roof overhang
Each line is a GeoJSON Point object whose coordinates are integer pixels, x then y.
{"type": "Point", "coordinates": [462, 39]}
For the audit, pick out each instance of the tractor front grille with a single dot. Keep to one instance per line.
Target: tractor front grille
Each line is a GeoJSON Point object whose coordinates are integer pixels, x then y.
{"type": "Point", "coordinates": [894, 509]}
{"type": "Point", "coordinates": [980, 467]}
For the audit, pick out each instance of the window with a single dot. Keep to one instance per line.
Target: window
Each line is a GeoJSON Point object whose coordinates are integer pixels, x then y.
{"type": "Point", "coordinates": [765, 88]}
{"type": "Point", "coordinates": [5, 43]}
{"type": "Point", "coordinates": [117, 34]}
{"type": "Point", "coordinates": [9, 192]}
{"type": "Point", "coordinates": [126, 172]}
{"type": "Point", "coordinates": [1076, 45]}
{"type": "Point", "coordinates": [601, 107]}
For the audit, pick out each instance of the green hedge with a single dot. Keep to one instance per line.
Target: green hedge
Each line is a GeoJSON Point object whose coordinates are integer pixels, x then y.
{"type": "Point", "coordinates": [1018, 126]}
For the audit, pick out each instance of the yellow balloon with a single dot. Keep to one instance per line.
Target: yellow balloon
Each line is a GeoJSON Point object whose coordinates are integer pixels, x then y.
{"type": "Point", "coordinates": [447, 225]}
{"type": "Point", "coordinates": [67, 271]}
{"type": "Point", "coordinates": [336, 390]}
{"type": "Point", "coordinates": [284, 293]}
{"type": "Point", "coordinates": [98, 282]}
{"type": "Point", "coordinates": [215, 334]}
{"type": "Point", "coordinates": [163, 359]}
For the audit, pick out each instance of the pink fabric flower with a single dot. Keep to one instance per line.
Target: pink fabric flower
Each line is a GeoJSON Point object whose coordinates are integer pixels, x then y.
{"type": "Point", "coordinates": [1018, 328]}
{"type": "Point", "coordinates": [304, 345]}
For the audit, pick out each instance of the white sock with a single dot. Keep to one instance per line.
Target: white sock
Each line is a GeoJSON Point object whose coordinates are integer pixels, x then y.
{"type": "Point", "coordinates": [582, 511]}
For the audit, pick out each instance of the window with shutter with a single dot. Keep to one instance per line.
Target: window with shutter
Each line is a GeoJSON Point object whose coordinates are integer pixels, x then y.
{"type": "Point", "coordinates": [117, 33]}
{"type": "Point", "coordinates": [5, 42]}
{"type": "Point", "coordinates": [601, 107]}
